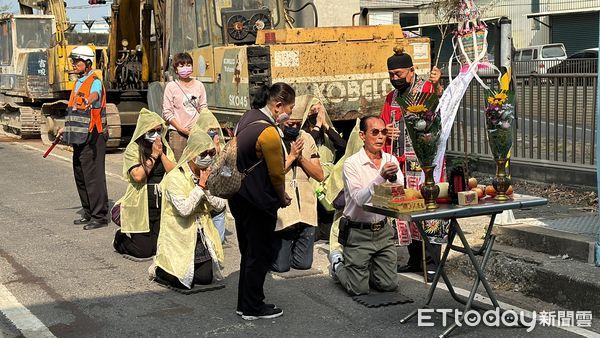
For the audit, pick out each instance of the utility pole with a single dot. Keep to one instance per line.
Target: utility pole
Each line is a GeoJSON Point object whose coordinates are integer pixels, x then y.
{"type": "Point", "coordinates": [503, 60]}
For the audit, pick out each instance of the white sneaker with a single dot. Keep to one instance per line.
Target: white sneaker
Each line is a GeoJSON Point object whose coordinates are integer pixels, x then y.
{"type": "Point", "coordinates": [335, 259]}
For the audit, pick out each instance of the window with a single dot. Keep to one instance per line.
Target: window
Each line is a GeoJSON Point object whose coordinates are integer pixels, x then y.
{"type": "Point", "coordinates": [518, 56]}
{"type": "Point", "coordinates": [526, 55]}
{"type": "Point", "coordinates": [535, 54]}
{"type": "Point", "coordinates": [183, 38]}
{"type": "Point", "coordinates": [535, 8]}
{"type": "Point", "coordinates": [5, 43]}
{"type": "Point", "coordinates": [409, 19]}
{"type": "Point", "coordinates": [555, 51]}
{"type": "Point", "coordinates": [33, 33]}
{"type": "Point", "coordinates": [381, 18]}
{"type": "Point", "coordinates": [245, 5]}
{"type": "Point", "coordinates": [202, 23]}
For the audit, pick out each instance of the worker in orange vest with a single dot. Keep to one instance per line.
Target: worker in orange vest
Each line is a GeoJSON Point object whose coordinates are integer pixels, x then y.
{"type": "Point", "coordinates": [86, 130]}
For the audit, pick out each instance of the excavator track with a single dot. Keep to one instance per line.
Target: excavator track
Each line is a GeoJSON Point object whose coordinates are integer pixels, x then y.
{"type": "Point", "coordinates": [23, 122]}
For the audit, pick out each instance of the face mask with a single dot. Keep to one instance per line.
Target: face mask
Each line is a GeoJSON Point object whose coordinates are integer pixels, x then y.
{"type": "Point", "coordinates": [151, 136]}
{"type": "Point", "coordinates": [203, 162]}
{"type": "Point", "coordinates": [184, 71]}
{"type": "Point", "coordinates": [400, 84]}
{"type": "Point", "coordinates": [312, 119]}
{"type": "Point", "coordinates": [291, 133]}
{"type": "Point", "coordinates": [212, 133]}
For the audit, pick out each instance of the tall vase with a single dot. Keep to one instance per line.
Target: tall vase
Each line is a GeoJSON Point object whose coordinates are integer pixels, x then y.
{"type": "Point", "coordinates": [501, 182]}
{"type": "Point", "coordinates": [429, 190]}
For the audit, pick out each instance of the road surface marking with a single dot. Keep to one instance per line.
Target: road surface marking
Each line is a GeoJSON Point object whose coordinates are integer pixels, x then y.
{"type": "Point", "coordinates": [66, 159]}
{"type": "Point", "coordinates": [505, 306]}
{"type": "Point", "coordinates": [28, 324]}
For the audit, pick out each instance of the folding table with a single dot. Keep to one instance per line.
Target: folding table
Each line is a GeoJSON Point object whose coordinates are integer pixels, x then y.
{"type": "Point", "coordinates": [486, 207]}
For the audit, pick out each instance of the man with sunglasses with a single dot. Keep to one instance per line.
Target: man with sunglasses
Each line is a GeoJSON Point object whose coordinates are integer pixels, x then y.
{"type": "Point", "coordinates": [369, 257]}
{"type": "Point", "coordinates": [405, 82]}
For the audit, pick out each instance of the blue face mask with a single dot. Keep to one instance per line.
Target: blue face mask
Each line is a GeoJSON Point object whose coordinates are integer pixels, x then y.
{"type": "Point", "coordinates": [212, 133]}
{"type": "Point", "coordinates": [291, 133]}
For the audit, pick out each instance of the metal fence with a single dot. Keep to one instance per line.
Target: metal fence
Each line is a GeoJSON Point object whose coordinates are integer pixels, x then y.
{"type": "Point", "coordinates": [555, 120]}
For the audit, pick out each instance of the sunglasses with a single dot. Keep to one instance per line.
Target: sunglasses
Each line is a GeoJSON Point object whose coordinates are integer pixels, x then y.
{"type": "Point", "coordinates": [376, 132]}
{"type": "Point", "coordinates": [211, 153]}
{"type": "Point", "coordinates": [155, 130]}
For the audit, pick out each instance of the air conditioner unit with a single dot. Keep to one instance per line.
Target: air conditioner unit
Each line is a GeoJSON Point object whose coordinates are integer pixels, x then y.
{"type": "Point", "coordinates": [240, 26]}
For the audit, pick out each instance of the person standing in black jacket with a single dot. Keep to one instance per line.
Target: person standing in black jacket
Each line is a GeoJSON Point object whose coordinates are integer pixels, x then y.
{"type": "Point", "coordinates": [262, 193]}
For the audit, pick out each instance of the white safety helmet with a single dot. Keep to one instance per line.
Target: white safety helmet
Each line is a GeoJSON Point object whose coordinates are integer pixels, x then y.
{"type": "Point", "coordinates": [84, 53]}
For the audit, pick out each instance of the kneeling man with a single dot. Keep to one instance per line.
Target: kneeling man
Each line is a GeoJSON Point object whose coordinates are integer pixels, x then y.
{"type": "Point", "coordinates": [369, 257]}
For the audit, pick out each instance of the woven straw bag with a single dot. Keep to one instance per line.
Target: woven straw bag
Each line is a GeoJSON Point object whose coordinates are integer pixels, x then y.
{"type": "Point", "coordinates": [225, 180]}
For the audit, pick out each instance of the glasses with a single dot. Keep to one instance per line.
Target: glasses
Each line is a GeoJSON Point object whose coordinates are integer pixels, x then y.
{"type": "Point", "coordinates": [155, 130]}
{"type": "Point", "coordinates": [376, 132]}
{"type": "Point", "coordinates": [211, 153]}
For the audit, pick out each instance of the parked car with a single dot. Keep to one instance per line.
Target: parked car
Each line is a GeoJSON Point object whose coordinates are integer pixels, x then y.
{"type": "Point", "coordinates": [583, 62]}
{"type": "Point", "coordinates": [537, 59]}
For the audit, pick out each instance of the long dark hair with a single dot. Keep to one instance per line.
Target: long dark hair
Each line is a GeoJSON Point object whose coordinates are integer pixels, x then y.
{"type": "Point", "coordinates": [281, 92]}
{"type": "Point", "coordinates": [142, 145]}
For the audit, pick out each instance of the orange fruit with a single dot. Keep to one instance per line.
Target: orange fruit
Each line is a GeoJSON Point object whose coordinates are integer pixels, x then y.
{"type": "Point", "coordinates": [479, 192]}
{"type": "Point", "coordinates": [472, 183]}
{"type": "Point", "coordinates": [490, 191]}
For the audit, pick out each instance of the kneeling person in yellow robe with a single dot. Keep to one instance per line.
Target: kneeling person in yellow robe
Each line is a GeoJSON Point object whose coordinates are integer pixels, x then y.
{"type": "Point", "coordinates": [189, 248]}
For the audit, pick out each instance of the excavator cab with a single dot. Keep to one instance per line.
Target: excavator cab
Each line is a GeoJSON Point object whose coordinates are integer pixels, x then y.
{"type": "Point", "coordinates": [24, 40]}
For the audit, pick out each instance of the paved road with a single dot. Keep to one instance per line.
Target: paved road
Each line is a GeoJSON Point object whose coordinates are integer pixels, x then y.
{"type": "Point", "coordinates": [76, 285]}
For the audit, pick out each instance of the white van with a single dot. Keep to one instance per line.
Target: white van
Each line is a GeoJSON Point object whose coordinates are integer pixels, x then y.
{"type": "Point", "coordinates": [537, 59]}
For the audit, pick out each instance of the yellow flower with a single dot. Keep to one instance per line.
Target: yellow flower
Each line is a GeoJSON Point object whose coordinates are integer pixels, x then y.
{"type": "Point", "coordinates": [501, 97]}
{"type": "Point", "coordinates": [416, 109]}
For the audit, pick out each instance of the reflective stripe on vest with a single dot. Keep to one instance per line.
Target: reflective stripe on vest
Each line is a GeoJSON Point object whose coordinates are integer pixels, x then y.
{"type": "Point", "coordinates": [79, 121]}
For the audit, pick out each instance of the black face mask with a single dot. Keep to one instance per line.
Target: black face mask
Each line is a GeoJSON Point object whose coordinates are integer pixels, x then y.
{"type": "Point", "coordinates": [400, 84]}
{"type": "Point", "coordinates": [312, 119]}
{"type": "Point", "coordinates": [291, 133]}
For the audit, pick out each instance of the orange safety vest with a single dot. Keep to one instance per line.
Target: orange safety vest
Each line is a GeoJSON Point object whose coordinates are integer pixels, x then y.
{"type": "Point", "coordinates": [80, 121]}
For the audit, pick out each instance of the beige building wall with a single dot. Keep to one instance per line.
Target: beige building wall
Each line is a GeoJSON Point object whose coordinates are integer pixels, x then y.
{"type": "Point", "coordinates": [336, 12]}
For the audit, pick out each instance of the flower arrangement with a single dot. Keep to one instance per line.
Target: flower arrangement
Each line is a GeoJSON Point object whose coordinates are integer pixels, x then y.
{"type": "Point", "coordinates": [423, 124]}
{"type": "Point", "coordinates": [499, 117]}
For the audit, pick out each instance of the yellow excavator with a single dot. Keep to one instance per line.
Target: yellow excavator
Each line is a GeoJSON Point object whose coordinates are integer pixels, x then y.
{"type": "Point", "coordinates": [36, 78]}
{"type": "Point", "coordinates": [236, 46]}
{"type": "Point", "coordinates": [239, 45]}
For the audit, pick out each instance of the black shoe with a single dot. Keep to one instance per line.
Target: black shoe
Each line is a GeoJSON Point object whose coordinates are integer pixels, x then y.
{"type": "Point", "coordinates": [82, 220]}
{"type": "Point", "coordinates": [265, 313]}
{"type": "Point", "coordinates": [94, 225]}
{"type": "Point", "coordinates": [272, 306]}
{"type": "Point", "coordinates": [409, 268]}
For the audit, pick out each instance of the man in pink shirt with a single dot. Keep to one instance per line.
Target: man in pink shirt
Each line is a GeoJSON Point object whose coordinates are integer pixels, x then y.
{"type": "Point", "coordinates": [369, 257]}
{"type": "Point", "coordinates": [183, 100]}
